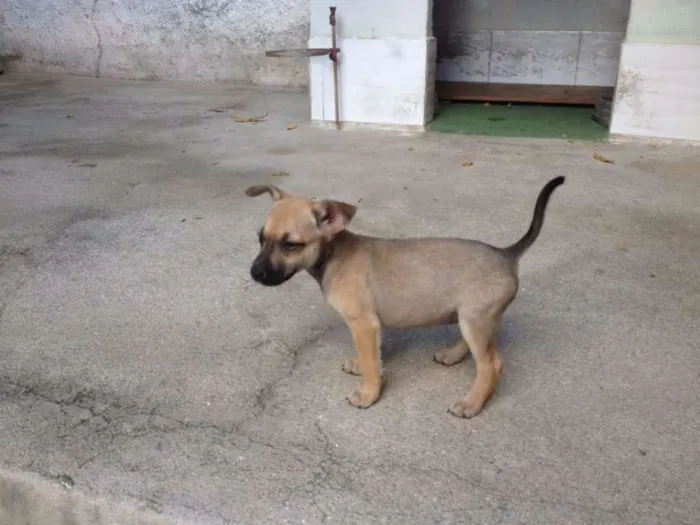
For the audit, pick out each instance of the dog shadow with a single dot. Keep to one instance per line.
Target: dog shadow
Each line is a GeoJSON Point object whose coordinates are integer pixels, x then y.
{"type": "Point", "coordinates": [519, 332]}
{"type": "Point", "coordinates": [397, 343]}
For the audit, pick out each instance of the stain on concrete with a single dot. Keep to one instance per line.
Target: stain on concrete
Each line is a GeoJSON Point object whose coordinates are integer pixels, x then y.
{"type": "Point", "coordinates": [23, 89]}
{"type": "Point", "coordinates": [71, 150]}
{"type": "Point", "coordinates": [629, 82]}
{"type": "Point", "coordinates": [281, 151]}
{"type": "Point", "coordinates": [457, 44]}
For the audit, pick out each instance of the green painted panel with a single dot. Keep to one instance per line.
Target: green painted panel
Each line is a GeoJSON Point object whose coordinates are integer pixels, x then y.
{"type": "Point", "coordinates": [518, 120]}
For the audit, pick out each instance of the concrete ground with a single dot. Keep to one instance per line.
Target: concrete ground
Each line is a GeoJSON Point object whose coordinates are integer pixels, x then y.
{"type": "Point", "coordinates": [140, 365]}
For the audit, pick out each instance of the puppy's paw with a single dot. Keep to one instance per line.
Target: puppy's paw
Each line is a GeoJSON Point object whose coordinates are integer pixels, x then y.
{"type": "Point", "coordinates": [350, 366]}
{"type": "Point", "coordinates": [450, 356]}
{"type": "Point", "coordinates": [465, 409]}
{"type": "Point", "coordinates": [447, 357]}
{"type": "Point", "coordinates": [364, 397]}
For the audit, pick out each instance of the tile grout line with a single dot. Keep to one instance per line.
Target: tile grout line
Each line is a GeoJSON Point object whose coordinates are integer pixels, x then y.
{"type": "Point", "coordinates": [488, 74]}
{"type": "Point", "coordinates": [578, 56]}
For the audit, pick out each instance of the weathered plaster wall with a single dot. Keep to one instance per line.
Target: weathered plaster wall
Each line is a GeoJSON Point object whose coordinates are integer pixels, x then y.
{"type": "Point", "coordinates": [658, 86]}
{"type": "Point", "coordinates": [150, 39]}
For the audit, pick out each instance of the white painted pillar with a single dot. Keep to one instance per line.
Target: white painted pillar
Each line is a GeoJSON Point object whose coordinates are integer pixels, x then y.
{"type": "Point", "coordinates": [658, 84]}
{"type": "Point", "coordinates": [386, 72]}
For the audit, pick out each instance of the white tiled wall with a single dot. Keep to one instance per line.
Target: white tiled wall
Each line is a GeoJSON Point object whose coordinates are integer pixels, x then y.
{"type": "Point", "coordinates": [582, 58]}
{"type": "Point", "coordinates": [385, 82]}
{"type": "Point", "coordinates": [534, 57]}
{"type": "Point", "coordinates": [387, 62]}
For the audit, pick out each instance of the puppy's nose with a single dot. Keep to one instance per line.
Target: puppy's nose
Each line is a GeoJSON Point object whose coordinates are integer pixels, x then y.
{"type": "Point", "coordinates": [258, 273]}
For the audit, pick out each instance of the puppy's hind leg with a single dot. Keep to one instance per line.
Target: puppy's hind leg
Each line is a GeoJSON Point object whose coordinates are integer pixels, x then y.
{"type": "Point", "coordinates": [479, 331]}
{"type": "Point", "coordinates": [452, 354]}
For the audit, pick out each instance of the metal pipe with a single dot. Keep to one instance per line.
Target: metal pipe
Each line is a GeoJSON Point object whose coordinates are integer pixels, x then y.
{"type": "Point", "coordinates": [334, 58]}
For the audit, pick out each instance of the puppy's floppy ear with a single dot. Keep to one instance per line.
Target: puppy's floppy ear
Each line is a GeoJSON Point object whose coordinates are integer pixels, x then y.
{"type": "Point", "coordinates": [273, 190]}
{"type": "Point", "coordinates": [333, 216]}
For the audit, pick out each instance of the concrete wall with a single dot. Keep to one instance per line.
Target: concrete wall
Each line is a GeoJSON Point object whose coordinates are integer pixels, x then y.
{"type": "Point", "coordinates": [565, 42]}
{"type": "Point", "coordinates": [658, 87]}
{"type": "Point", "coordinates": [386, 63]}
{"type": "Point", "coordinates": [664, 22]}
{"type": "Point", "coordinates": [533, 15]}
{"type": "Point", "coordinates": [158, 39]}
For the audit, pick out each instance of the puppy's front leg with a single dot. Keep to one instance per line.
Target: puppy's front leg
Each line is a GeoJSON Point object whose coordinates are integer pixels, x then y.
{"type": "Point", "coordinates": [366, 334]}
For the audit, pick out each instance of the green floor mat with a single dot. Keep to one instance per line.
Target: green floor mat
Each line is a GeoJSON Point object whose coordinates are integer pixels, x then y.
{"type": "Point", "coordinates": [517, 120]}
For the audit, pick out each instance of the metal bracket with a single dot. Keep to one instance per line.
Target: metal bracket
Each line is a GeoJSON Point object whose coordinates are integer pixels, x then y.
{"type": "Point", "coordinates": [305, 52]}
{"type": "Point", "coordinates": [332, 53]}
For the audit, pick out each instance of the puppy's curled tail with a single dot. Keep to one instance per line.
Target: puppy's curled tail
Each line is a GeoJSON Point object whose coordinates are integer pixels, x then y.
{"type": "Point", "coordinates": [519, 248]}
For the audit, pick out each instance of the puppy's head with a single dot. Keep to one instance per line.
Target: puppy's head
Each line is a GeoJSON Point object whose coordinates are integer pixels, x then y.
{"type": "Point", "coordinates": [295, 234]}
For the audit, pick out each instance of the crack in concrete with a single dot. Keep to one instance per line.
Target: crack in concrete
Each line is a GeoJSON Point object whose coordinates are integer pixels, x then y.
{"type": "Point", "coordinates": [326, 465]}
{"type": "Point", "coordinates": [113, 413]}
{"type": "Point", "coordinates": [115, 420]}
{"type": "Point", "coordinates": [100, 49]}
{"type": "Point", "coordinates": [326, 460]}
{"type": "Point", "coordinates": [264, 396]}
{"type": "Point", "coordinates": [84, 400]}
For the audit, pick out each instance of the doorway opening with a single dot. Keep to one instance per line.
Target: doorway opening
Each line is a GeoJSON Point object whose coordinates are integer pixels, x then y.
{"type": "Point", "coordinates": [544, 68]}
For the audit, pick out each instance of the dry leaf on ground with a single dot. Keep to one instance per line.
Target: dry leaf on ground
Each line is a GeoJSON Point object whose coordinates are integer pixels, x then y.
{"type": "Point", "coordinates": [600, 158]}
{"type": "Point", "coordinates": [252, 120]}
{"type": "Point", "coordinates": [467, 164]}
{"type": "Point", "coordinates": [291, 127]}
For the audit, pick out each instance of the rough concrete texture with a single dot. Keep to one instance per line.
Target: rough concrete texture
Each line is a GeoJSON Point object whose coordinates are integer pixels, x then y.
{"type": "Point", "coordinates": [139, 361]}
{"type": "Point", "coordinates": [158, 39]}
{"type": "Point", "coordinates": [28, 499]}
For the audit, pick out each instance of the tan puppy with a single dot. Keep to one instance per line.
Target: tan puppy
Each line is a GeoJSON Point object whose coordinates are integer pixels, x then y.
{"type": "Point", "coordinates": [397, 283]}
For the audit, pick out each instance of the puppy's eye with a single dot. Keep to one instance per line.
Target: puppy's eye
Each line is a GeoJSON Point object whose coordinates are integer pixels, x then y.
{"type": "Point", "coordinates": [292, 246]}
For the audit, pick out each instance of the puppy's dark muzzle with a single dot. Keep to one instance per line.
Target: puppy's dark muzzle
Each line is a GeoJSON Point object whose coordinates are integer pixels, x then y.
{"type": "Point", "coordinates": [266, 275]}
